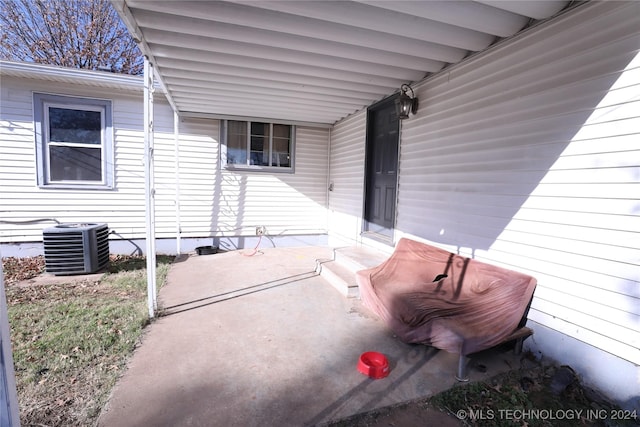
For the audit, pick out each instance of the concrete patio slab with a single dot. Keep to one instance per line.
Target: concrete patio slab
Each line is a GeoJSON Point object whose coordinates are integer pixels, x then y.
{"type": "Point", "coordinates": [264, 340]}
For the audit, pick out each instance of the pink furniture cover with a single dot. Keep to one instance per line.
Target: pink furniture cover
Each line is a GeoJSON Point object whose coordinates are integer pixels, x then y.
{"type": "Point", "coordinates": [474, 308]}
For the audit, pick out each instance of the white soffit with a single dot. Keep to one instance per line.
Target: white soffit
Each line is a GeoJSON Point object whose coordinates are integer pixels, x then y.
{"type": "Point", "coordinates": [311, 61]}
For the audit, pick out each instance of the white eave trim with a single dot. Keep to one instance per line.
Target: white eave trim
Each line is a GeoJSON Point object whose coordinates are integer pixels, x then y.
{"type": "Point", "coordinates": [64, 74]}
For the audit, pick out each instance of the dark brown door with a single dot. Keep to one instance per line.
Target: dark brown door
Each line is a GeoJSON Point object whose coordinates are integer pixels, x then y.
{"type": "Point", "coordinates": [381, 169]}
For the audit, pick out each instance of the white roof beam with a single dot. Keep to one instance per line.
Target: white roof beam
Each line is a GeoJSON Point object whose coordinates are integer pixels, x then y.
{"type": "Point", "coordinates": [188, 69]}
{"type": "Point", "coordinates": [535, 9]}
{"type": "Point", "coordinates": [221, 31]}
{"type": "Point", "coordinates": [262, 98]}
{"type": "Point", "coordinates": [198, 60]}
{"type": "Point", "coordinates": [201, 80]}
{"type": "Point", "coordinates": [247, 16]}
{"type": "Point", "coordinates": [465, 14]}
{"type": "Point", "coordinates": [268, 113]}
{"type": "Point", "coordinates": [256, 103]}
{"type": "Point", "coordinates": [212, 47]}
{"type": "Point", "coordinates": [214, 88]}
{"type": "Point", "coordinates": [383, 20]}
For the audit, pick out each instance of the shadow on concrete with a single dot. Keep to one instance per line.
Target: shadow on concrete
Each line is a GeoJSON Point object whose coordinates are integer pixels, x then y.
{"type": "Point", "coordinates": [278, 358]}
{"type": "Point", "coordinates": [424, 356]}
{"type": "Point", "coordinates": [236, 293]}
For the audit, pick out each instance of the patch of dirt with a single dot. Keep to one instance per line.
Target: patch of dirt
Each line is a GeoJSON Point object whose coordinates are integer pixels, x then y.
{"type": "Point", "coordinates": [534, 395]}
{"type": "Point", "coordinates": [18, 269]}
{"type": "Point", "coordinates": [418, 413]}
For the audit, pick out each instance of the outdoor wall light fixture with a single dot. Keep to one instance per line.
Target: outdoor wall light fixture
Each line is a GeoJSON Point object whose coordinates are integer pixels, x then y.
{"type": "Point", "coordinates": [406, 104]}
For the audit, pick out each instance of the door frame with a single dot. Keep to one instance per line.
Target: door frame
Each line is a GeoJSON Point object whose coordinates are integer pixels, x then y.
{"type": "Point", "coordinates": [364, 232]}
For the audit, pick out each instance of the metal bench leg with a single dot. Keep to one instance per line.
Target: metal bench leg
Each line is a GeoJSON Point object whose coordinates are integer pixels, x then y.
{"type": "Point", "coordinates": [462, 369]}
{"type": "Point", "coordinates": [517, 349]}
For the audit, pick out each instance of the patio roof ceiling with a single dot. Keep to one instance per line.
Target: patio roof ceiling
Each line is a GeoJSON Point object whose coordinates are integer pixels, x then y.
{"type": "Point", "coordinates": [311, 61]}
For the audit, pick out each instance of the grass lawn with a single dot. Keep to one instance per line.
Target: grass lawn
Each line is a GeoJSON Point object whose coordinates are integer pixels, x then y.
{"type": "Point", "coordinates": [71, 340]}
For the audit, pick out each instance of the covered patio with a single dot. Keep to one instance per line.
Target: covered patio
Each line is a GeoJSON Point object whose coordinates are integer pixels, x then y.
{"type": "Point", "coordinates": [304, 63]}
{"type": "Point", "coordinates": [265, 340]}
{"type": "Point", "coordinates": [521, 153]}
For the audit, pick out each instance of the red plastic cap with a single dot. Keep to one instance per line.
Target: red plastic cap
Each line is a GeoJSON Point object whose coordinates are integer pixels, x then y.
{"type": "Point", "coordinates": [373, 364]}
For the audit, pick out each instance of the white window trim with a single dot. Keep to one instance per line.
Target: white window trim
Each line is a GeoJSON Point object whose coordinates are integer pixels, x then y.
{"type": "Point", "coordinates": [41, 105]}
{"type": "Point", "coordinates": [250, 167]}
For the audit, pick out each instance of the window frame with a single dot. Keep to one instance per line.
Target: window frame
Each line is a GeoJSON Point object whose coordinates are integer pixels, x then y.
{"type": "Point", "coordinates": [248, 166]}
{"type": "Point", "coordinates": [42, 102]}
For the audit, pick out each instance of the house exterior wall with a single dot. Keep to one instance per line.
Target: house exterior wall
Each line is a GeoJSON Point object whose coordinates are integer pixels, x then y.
{"type": "Point", "coordinates": [214, 203]}
{"type": "Point", "coordinates": [23, 200]}
{"type": "Point", "coordinates": [227, 203]}
{"type": "Point", "coordinates": [527, 157]}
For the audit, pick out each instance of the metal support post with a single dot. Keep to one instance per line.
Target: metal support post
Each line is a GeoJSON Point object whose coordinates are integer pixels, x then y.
{"type": "Point", "coordinates": [176, 141]}
{"type": "Point", "coordinates": [150, 188]}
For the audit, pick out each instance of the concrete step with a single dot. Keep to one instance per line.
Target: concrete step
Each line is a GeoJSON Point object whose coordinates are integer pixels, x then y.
{"type": "Point", "coordinates": [341, 272]}
{"type": "Point", "coordinates": [359, 258]}
{"type": "Point", "coordinates": [340, 277]}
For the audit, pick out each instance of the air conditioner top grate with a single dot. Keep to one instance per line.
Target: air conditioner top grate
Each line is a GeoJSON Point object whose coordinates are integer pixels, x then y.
{"type": "Point", "coordinates": [67, 227]}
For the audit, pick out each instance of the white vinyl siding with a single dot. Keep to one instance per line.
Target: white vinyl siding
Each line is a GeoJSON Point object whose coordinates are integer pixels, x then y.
{"type": "Point", "coordinates": [234, 203]}
{"type": "Point", "coordinates": [528, 157]}
{"type": "Point", "coordinates": [22, 200]}
{"type": "Point", "coordinates": [213, 203]}
{"type": "Point", "coordinates": [348, 139]}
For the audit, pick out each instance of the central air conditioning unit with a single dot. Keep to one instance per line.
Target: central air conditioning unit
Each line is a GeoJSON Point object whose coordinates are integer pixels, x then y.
{"type": "Point", "coordinates": [76, 248]}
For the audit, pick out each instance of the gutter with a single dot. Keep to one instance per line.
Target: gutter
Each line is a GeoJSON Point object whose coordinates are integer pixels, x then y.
{"type": "Point", "coordinates": [30, 70]}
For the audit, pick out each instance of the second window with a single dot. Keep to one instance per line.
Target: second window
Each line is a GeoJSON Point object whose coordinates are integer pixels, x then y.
{"type": "Point", "coordinates": [258, 145]}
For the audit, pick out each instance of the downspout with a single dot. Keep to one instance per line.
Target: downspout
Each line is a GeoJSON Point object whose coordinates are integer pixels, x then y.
{"type": "Point", "coordinates": [176, 142]}
{"type": "Point", "coordinates": [149, 188]}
